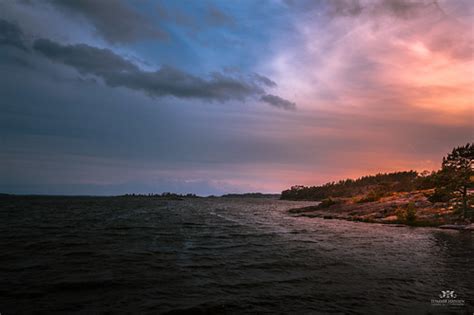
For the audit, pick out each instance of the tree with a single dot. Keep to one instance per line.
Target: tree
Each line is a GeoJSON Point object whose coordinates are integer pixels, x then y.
{"type": "Point", "coordinates": [407, 214]}
{"type": "Point", "coordinates": [410, 214]}
{"type": "Point", "coordinates": [457, 174]}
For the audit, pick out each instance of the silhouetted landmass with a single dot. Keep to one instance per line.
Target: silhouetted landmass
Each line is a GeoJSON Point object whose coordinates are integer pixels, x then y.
{"type": "Point", "coordinates": [251, 195]}
{"type": "Point", "coordinates": [165, 195]}
{"type": "Point", "coordinates": [162, 196]}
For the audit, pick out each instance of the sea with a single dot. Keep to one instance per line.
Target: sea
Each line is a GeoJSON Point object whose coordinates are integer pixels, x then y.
{"type": "Point", "coordinates": [145, 255]}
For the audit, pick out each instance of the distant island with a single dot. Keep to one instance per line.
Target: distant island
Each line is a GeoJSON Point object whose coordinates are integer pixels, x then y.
{"type": "Point", "coordinates": [442, 198]}
{"type": "Point", "coordinates": [175, 196]}
{"type": "Point", "coordinates": [251, 195]}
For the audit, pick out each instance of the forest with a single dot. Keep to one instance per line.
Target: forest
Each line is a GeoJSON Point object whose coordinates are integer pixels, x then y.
{"type": "Point", "coordinates": [453, 183]}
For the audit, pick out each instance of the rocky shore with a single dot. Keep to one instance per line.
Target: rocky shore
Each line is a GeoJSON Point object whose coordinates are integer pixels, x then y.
{"type": "Point", "coordinates": [390, 210]}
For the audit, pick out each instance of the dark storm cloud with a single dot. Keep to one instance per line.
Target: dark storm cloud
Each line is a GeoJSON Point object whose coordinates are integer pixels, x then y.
{"type": "Point", "coordinates": [279, 102]}
{"type": "Point", "coordinates": [167, 81]}
{"type": "Point", "coordinates": [86, 59]}
{"type": "Point", "coordinates": [114, 20]}
{"type": "Point", "coordinates": [11, 35]}
{"type": "Point", "coordinates": [397, 8]}
{"type": "Point", "coordinates": [263, 79]}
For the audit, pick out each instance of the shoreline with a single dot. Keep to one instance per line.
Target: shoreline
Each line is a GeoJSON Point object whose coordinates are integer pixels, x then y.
{"type": "Point", "coordinates": [313, 214]}
{"type": "Point", "coordinates": [391, 210]}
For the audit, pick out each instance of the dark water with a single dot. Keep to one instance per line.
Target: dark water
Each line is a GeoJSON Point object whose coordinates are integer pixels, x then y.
{"type": "Point", "coordinates": [220, 256]}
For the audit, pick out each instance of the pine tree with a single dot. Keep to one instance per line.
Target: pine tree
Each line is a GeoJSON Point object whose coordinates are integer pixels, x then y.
{"type": "Point", "coordinates": [457, 174]}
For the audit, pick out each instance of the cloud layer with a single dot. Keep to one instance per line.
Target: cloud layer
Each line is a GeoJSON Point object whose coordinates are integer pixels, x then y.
{"type": "Point", "coordinates": [115, 20]}
{"type": "Point", "coordinates": [11, 35]}
{"type": "Point", "coordinates": [278, 102]}
{"type": "Point", "coordinates": [110, 97]}
{"type": "Point", "coordinates": [116, 71]}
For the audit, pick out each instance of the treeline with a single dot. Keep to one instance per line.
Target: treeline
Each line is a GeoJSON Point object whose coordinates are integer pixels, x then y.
{"type": "Point", "coordinates": [372, 185]}
{"type": "Point", "coordinates": [165, 195]}
{"type": "Point", "coordinates": [251, 195]}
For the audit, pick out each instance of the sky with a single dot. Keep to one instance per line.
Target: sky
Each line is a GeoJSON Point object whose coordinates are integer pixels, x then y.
{"type": "Point", "coordinates": [211, 97]}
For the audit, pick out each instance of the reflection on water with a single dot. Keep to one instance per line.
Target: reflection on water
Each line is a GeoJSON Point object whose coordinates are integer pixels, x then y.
{"type": "Point", "coordinates": [220, 256]}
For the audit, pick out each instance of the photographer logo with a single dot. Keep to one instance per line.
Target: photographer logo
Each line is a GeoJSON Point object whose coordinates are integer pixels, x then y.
{"type": "Point", "coordinates": [447, 295]}
{"type": "Point", "coordinates": [447, 298]}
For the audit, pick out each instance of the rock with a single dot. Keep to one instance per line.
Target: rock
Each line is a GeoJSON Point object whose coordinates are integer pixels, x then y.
{"type": "Point", "coordinates": [390, 218]}
{"type": "Point", "coordinates": [453, 226]}
{"type": "Point", "coordinates": [470, 227]}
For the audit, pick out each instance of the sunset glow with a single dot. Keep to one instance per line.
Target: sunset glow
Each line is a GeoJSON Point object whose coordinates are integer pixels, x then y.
{"type": "Point", "coordinates": [229, 96]}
